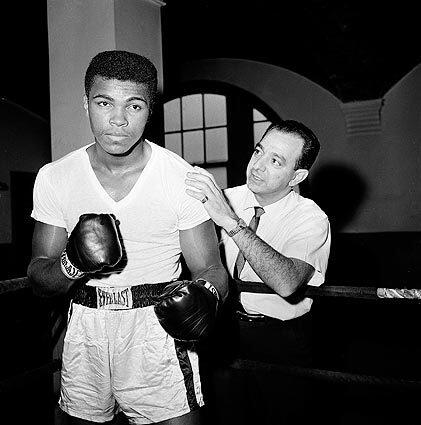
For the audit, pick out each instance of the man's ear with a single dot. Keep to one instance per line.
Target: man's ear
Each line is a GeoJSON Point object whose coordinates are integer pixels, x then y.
{"type": "Point", "coordinates": [85, 104]}
{"type": "Point", "coordinates": [299, 176]}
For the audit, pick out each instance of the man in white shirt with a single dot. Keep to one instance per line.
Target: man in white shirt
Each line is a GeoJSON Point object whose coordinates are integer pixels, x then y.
{"type": "Point", "coordinates": [288, 249]}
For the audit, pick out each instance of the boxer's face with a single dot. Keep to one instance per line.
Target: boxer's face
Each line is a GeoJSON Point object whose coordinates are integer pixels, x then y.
{"type": "Point", "coordinates": [270, 172]}
{"type": "Point", "coordinates": [118, 112]}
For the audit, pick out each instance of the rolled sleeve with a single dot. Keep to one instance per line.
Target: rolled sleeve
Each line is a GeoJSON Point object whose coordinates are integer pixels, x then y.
{"type": "Point", "coordinates": [310, 242]}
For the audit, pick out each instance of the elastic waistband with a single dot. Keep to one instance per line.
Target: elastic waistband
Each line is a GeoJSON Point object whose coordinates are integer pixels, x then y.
{"type": "Point", "coordinates": [113, 298]}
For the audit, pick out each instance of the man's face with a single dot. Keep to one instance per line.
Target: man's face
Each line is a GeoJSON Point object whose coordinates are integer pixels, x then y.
{"type": "Point", "coordinates": [270, 171]}
{"type": "Point", "coordinates": [118, 112]}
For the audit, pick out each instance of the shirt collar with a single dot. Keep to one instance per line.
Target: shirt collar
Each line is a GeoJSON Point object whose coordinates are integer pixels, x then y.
{"type": "Point", "coordinates": [250, 201]}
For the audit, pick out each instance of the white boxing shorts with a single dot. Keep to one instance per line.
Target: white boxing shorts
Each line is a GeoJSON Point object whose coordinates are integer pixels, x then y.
{"type": "Point", "coordinates": [122, 360]}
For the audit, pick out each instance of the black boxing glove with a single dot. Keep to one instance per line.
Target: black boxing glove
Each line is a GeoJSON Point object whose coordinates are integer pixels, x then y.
{"type": "Point", "coordinates": [187, 310]}
{"type": "Point", "coordinates": [92, 245]}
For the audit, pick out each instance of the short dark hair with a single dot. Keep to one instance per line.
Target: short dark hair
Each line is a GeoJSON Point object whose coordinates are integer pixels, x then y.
{"type": "Point", "coordinates": [123, 66]}
{"type": "Point", "coordinates": [311, 144]}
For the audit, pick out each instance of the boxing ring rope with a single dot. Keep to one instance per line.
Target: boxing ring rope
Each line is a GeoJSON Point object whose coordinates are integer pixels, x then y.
{"type": "Point", "coordinates": [10, 285]}
{"type": "Point", "coordinates": [358, 292]}
{"type": "Point", "coordinates": [332, 376]}
{"type": "Point", "coordinates": [336, 377]}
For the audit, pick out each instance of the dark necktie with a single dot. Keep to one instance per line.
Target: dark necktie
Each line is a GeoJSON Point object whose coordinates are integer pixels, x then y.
{"type": "Point", "coordinates": [240, 261]}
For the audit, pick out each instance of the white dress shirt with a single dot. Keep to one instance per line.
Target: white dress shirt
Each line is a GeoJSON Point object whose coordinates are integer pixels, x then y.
{"type": "Point", "coordinates": [294, 226]}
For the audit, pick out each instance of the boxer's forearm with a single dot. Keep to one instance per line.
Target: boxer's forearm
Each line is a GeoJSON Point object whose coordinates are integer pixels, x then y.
{"type": "Point", "coordinates": [217, 275]}
{"type": "Point", "coordinates": [47, 278]}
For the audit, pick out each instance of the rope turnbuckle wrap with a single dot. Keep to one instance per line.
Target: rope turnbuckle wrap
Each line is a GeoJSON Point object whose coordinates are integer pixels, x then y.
{"type": "Point", "coordinates": [411, 294]}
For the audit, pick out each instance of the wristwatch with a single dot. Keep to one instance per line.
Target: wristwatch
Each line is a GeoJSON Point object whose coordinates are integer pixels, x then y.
{"type": "Point", "coordinates": [240, 226]}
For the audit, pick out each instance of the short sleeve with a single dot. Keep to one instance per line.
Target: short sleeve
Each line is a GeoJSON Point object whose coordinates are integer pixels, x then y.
{"type": "Point", "coordinates": [310, 241]}
{"type": "Point", "coordinates": [46, 208]}
{"type": "Point", "coordinates": [192, 213]}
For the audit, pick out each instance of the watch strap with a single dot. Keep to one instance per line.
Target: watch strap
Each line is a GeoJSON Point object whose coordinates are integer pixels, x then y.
{"type": "Point", "coordinates": [240, 226]}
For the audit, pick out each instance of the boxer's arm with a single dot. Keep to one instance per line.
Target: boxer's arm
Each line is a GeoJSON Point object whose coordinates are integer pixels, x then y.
{"type": "Point", "coordinates": [44, 270]}
{"type": "Point", "coordinates": [199, 246]}
{"type": "Point", "coordinates": [93, 245]}
{"type": "Point", "coordinates": [187, 310]}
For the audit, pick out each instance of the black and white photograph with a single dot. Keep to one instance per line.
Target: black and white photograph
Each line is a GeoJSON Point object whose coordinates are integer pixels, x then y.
{"type": "Point", "coordinates": [210, 212]}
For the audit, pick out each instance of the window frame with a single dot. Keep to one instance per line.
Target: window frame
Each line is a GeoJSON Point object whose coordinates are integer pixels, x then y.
{"type": "Point", "coordinates": [239, 124]}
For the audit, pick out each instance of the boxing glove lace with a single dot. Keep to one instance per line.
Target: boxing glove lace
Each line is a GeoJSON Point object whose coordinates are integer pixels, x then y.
{"type": "Point", "coordinates": [92, 245]}
{"type": "Point", "coordinates": [187, 309]}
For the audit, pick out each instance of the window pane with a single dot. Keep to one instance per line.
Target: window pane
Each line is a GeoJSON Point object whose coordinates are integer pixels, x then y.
{"type": "Point", "coordinates": [193, 146]}
{"type": "Point", "coordinates": [215, 110]}
{"type": "Point", "coordinates": [257, 116]}
{"type": "Point", "coordinates": [192, 111]}
{"type": "Point", "coordinates": [220, 174]}
{"type": "Point", "coordinates": [173, 142]}
{"type": "Point", "coordinates": [216, 145]}
{"type": "Point", "coordinates": [172, 115]}
{"type": "Point", "coordinates": [259, 129]}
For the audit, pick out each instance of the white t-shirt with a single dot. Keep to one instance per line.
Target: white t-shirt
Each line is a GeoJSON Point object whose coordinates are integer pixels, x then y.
{"type": "Point", "coordinates": [294, 226]}
{"type": "Point", "coordinates": [150, 216]}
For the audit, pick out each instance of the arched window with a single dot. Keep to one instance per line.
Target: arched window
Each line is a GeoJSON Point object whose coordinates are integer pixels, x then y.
{"type": "Point", "coordinates": [216, 129]}
{"type": "Point", "coordinates": [196, 129]}
{"type": "Point", "coordinates": [260, 124]}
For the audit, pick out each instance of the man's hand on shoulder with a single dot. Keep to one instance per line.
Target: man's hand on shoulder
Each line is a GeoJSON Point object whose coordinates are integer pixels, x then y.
{"type": "Point", "coordinates": [203, 187]}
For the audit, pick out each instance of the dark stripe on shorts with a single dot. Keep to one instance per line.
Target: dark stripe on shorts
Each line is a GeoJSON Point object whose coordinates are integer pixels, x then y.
{"type": "Point", "coordinates": [186, 369]}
